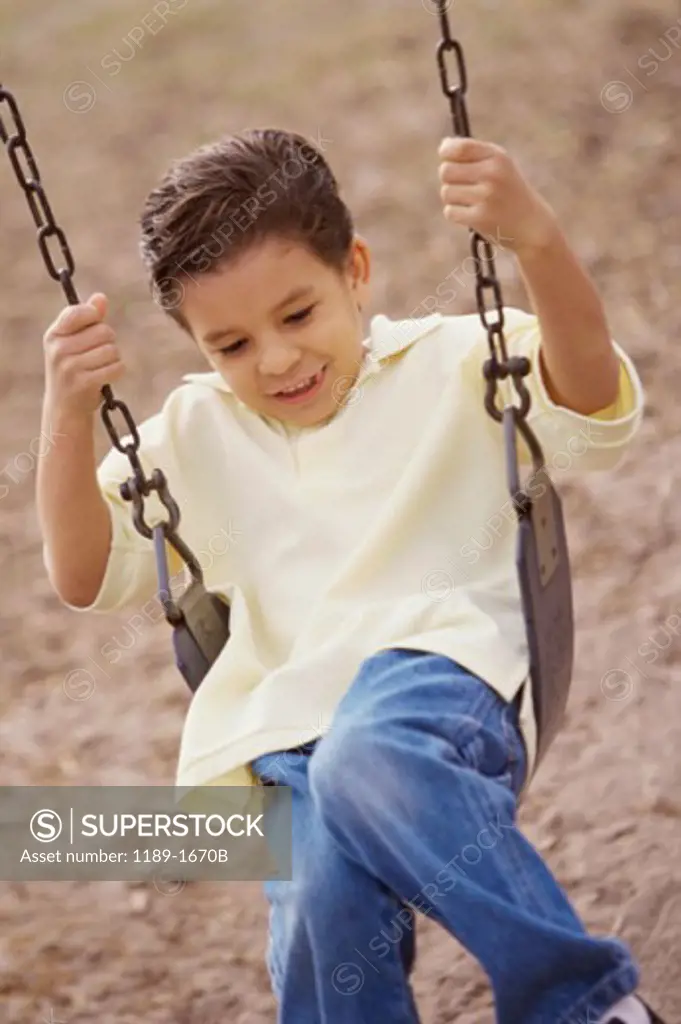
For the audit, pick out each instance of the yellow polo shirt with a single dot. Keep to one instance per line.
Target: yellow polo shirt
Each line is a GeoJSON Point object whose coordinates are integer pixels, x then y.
{"type": "Point", "coordinates": [391, 525]}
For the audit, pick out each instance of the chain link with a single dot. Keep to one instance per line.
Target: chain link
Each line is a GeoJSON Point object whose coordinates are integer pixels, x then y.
{"type": "Point", "coordinates": [54, 247]}
{"type": "Point", "coordinates": [487, 289]}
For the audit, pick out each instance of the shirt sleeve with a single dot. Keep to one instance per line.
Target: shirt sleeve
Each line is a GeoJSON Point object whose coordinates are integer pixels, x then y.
{"type": "Point", "coordinates": [570, 439]}
{"type": "Point", "coordinates": [130, 576]}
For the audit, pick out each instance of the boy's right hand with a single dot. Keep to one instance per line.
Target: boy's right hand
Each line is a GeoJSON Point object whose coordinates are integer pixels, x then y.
{"type": "Point", "coordinates": [81, 356]}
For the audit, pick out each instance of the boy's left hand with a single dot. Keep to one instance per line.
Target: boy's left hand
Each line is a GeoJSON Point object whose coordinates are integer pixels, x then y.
{"type": "Point", "coordinates": [482, 189]}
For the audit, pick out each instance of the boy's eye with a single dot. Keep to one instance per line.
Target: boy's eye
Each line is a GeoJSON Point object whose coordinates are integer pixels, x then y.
{"type": "Point", "coordinates": [301, 314]}
{"type": "Point", "coordinates": [292, 318]}
{"type": "Point", "coordinates": [233, 348]}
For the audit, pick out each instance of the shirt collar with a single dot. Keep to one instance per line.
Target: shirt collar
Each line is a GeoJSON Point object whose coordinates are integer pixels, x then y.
{"type": "Point", "coordinates": [386, 339]}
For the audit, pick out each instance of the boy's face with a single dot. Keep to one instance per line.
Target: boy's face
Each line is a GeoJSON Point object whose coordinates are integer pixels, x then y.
{"type": "Point", "coordinates": [278, 317]}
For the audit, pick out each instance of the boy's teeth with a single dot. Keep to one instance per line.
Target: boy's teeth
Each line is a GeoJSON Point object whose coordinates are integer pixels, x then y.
{"type": "Point", "coordinates": [301, 387]}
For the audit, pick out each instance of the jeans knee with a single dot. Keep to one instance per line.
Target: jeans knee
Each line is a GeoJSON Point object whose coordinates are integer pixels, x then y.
{"type": "Point", "coordinates": [352, 775]}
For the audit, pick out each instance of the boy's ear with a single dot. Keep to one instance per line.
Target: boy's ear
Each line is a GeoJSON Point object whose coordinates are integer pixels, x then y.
{"type": "Point", "coordinates": [360, 268]}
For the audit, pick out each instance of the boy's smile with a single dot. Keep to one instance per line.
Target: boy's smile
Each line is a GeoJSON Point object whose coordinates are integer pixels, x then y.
{"type": "Point", "coordinates": [283, 328]}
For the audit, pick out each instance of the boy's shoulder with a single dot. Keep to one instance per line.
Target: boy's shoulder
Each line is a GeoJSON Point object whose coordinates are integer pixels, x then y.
{"type": "Point", "coordinates": [191, 411]}
{"type": "Point", "coordinates": [456, 335]}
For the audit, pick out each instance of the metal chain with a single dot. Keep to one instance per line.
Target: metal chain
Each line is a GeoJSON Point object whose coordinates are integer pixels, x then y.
{"type": "Point", "coordinates": [498, 366]}
{"type": "Point", "coordinates": [137, 487]}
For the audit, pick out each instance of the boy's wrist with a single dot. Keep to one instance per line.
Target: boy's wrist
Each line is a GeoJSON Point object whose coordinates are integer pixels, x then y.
{"type": "Point", "coordinates": [67, 421]}
{"type": "Point", "coordinates": [547, 239]}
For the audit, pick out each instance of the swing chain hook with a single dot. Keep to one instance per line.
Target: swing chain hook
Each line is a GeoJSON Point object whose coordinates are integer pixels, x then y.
{"type": "Point", "coordinates": [137, 487]}
{"type": "Point", "coordinates": [487, 288]}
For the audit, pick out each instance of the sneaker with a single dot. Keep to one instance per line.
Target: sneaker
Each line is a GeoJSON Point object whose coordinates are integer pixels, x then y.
{"type": "Point", "coordinates": [631, 1010]}
{"type": "Point", "coordinates": [654, 1019]}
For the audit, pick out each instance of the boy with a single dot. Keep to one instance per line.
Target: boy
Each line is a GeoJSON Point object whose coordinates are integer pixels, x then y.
{"type": "Point", "coordinates": [369, 564]}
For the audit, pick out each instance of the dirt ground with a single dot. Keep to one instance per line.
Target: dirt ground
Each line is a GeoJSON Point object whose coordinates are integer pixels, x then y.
{"type": "Point", "coordinates": [587, 97]}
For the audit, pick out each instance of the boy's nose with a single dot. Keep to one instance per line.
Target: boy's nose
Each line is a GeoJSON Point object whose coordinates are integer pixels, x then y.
{"type": "Point", "coordinates": [278, 361]}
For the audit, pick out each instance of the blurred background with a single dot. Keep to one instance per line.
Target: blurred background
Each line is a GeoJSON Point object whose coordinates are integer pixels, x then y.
{"type": "Point", "coordinates": [587, 98]}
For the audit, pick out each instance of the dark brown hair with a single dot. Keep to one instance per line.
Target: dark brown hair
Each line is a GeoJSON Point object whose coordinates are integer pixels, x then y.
{"type": "Point", "coordinates": [214, 203]}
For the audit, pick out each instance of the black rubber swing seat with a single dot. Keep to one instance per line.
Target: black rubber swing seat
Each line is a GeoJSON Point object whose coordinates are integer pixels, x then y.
{"type": "Point", "coordinates": [543, 566]}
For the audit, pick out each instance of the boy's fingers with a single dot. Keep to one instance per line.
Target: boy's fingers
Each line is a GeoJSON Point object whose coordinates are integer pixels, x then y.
{"type": "Point", "coordinates": [76, 318]}
{"type": "Point", "coordinates": [464, 149]}
{"type": "Point", "coordinates": [461, 174]}
{"type": "Point", "coordinates": [100, 302]}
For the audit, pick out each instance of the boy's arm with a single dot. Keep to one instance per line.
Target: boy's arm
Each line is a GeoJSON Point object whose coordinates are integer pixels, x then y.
{"type": "Point", "coordinates": [126, 574]}
{"type": "Point", "coordinates": [569, 439]}
{"type": "Point", "coordinates": [483, 189]}
{"type": "Point", "coordinates": [94, 556]}
{"type": "Point", "coordinates": [580, 366]}
{"type": "Point", "coordinates": [73, 516]}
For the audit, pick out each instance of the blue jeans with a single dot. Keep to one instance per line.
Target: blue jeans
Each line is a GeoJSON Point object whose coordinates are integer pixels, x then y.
{"type": "Point", "coordinates": [409, 803]}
